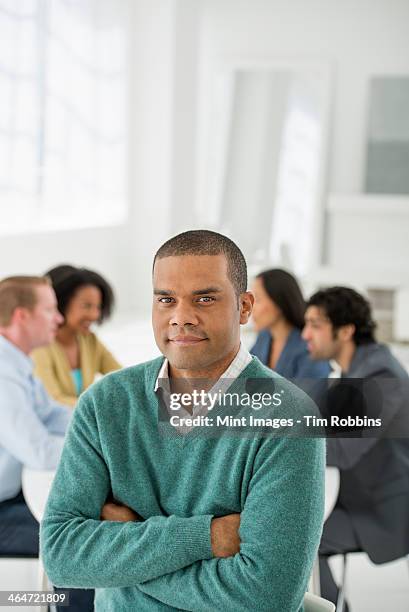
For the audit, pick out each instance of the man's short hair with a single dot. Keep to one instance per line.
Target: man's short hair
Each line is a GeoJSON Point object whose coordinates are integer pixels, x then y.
{"type": "Point", "coordinates": [345, 306]}
{"type": "Point", "coordinates": [18, 291]}
{"type": "Point", "coordinates": [206, 242]}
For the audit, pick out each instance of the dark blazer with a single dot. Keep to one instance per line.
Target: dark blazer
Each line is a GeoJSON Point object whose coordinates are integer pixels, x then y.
{"type": "Point", "coordinates": [294, 361]}
{"type": "Point", "coordinates": [374, 483]}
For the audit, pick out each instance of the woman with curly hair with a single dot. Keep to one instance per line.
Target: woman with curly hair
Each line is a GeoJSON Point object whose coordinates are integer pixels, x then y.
{"type": "Point", "coordinates": [69, 365]}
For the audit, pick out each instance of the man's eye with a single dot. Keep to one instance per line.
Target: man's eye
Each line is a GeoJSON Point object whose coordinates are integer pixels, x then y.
{"type": "Point", "coordinates": [206, 299]}
{"type": "Point", "coordinates": [165, 300]}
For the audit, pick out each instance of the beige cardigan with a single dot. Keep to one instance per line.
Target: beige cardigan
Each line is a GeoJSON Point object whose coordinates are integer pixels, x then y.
{"type": "Point", "coordinates": [52, 367]}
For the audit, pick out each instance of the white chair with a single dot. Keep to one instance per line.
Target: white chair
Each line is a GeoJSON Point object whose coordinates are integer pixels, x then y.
{"type": "Point", "coordinates": [22, 566]}
{"type": "Point", "coordinates": [313, 603]}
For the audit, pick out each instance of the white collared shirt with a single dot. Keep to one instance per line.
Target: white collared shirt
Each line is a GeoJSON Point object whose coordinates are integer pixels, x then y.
{"type": "Point", "coordinates": [239, 363]}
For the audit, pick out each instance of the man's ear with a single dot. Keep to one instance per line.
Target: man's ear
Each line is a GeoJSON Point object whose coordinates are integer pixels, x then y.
{"type": "Point", "coordinates": [246, 302]}
{"type": "Point", "coordinates": [20, 315]}
{"type": "Point", "coordinates": [346, 332]}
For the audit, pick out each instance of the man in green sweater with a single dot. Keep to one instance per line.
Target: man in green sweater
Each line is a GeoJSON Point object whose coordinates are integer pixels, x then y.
{"type": "Point", "coordinates": [157, 516]}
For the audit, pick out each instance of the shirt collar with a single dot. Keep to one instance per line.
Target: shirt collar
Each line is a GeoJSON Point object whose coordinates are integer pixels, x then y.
{"type": "Point", "coordinates": [336, 370]}
{"type": "Point", "coordinates": [163, 376]}
{"type": "Point", "coordinates": [241, 361]}
{"type": "Point", "coordinates": [15, 357]}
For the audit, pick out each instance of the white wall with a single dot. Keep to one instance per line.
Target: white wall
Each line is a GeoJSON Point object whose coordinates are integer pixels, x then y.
{"type": "Point", "coordinates": [104, 249]}
{"type": "Point", "coordinates": [151, 58]}
{"type": "Point", "coordinates": [375, 228]}
{"type": "Point", "coordinates": [172, 43]}
{"type": "Point", "coordinates": [164, 60]}
{"type": "Point", "coordinates": [365, 248]}
{"type": "Point", "coordinates": [360, 37]}
{"type": "Point", "coordinates": [124, 254]}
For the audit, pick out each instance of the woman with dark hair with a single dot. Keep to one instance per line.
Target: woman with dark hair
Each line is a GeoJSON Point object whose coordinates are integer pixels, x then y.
{"type": "Point", "coordinates": [278, 316]}
{"type": "Point", "coordinates": [69, 365]}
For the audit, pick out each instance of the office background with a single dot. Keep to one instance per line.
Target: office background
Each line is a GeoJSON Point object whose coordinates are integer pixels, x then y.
{"type": "Point", "coordinates": [282, 123]}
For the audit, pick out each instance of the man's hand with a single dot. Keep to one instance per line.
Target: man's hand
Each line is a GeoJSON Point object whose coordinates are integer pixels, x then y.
{"type": "Point", "coordinates": [116, 512]}
{"type": "Point", "coordinates": [224, 535]}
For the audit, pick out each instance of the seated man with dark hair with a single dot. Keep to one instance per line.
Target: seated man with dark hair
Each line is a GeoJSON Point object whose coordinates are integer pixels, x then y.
{"type": "Point", "coordinates": [372, 511]}
{"type": "Point", "coordinates": [193, 522]}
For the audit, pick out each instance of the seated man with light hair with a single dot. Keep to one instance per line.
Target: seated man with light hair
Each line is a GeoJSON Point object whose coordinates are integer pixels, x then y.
{"type": "Point", "coordinates": [32, 424]}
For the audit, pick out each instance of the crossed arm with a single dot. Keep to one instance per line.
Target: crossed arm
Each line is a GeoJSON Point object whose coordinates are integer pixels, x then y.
{"type": "Point", "coordinates": [224, 531]}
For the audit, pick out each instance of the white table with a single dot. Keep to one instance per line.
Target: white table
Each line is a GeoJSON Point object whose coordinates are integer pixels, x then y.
{"type": "Point", "coordinates": [36, 486]}
{"type": "Point", "coordinates": [331, 489]}
{"type": "Point", "coordinates": [331, 496]}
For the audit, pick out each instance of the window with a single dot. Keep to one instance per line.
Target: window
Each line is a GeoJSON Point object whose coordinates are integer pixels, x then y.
{"type": "Point", "coordinates": [63, 89]}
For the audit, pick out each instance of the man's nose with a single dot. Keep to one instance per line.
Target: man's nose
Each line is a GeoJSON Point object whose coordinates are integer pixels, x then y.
{"type": "Point", "coordinates": [183, 314]}
{"type": "Point", "coordinates": [59, 318]}
{"type": "Point", "coordinates": [305, 334]}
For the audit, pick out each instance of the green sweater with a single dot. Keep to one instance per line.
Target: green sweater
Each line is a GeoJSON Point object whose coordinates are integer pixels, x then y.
{"type": "Point", "coordinates": [177, 484]}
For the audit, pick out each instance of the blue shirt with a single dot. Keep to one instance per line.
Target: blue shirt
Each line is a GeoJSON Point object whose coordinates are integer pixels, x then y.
{"type": "Point", "coordinates": [77, 378]}
{"type": "Point", "coordinates": [31, 423]}
{"type": "Point", "coordinates": [294, 361]}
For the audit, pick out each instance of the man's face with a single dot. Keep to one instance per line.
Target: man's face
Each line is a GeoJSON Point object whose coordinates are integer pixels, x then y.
{"type": "Point", "coordinates": [40, 324]}
{"type": "Point", "coordinates": [196, 316]}
{"type": "Point", "coordinates": [318, 332]}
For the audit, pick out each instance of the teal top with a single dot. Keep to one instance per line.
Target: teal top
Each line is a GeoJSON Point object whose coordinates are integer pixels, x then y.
{"type": "Point", "coordinates": [78, 382]}
{"type": "Point", "coordinates": [178, 484]}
